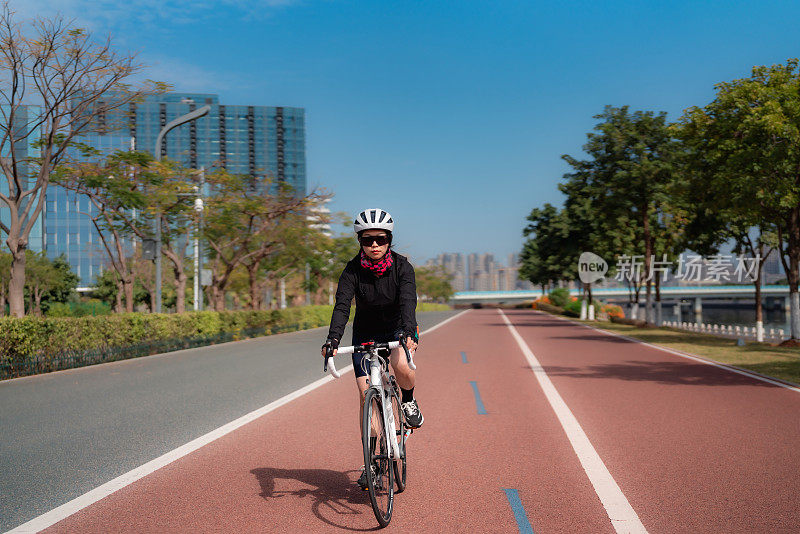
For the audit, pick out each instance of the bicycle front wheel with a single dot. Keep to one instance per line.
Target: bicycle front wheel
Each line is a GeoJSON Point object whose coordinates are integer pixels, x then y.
{"type": "Point", "coordinates": [380, 472]}
{"type": "Point", "coordinates": [400, 424]}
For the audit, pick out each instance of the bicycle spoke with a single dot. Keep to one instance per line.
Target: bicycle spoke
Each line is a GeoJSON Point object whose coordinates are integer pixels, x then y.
{"type": "Point", "coordinates": [376, 454]}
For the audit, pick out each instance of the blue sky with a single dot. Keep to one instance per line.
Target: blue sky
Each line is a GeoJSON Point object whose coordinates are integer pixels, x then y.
{"type": "Point", "coordinates": [450, 115]}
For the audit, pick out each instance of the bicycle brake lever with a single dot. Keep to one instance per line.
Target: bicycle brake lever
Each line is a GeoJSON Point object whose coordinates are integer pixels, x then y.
{"type": "Point", "coordinates": [409, 358]}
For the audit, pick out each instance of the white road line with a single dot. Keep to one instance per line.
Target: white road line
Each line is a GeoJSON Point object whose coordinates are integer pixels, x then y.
{"type": "Point", "coordinates": [688, 356]}
{"type": "Point", "coordinates": [79, 503]}
{"type": "Point", "coordinates": [620, 512]}
{"type": "Point", "coordinates": [437, 325]}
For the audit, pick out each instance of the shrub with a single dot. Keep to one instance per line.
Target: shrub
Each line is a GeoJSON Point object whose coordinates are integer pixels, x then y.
{"type": "Point", "coordinates": [59, 309]}
{"type": "Point", "coordinates": [541, 300]}
{"type": "Point", "coordinates": [549, 308]}
{"type": "Point", "coordinates": [78, 309]}
{"type": "Point", "coordinates": [573, 308]}
{"type": "Point", "coordinates": [560, 296]}
{"type": "Point", "coordinates": [43, 342]}
{"type": "Point", "coordinates": [432, 306]}
{"type": "Point", "coordinates": [612, 310]}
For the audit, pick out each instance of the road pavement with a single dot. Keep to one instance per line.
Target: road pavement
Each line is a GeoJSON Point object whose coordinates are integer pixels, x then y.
{"type": "Point", "coordinates": [557, 428]}
{"type": "Point", "coordinates": [65, 433]}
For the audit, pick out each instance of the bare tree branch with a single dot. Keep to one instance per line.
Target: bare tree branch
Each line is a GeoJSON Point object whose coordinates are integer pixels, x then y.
{"type": "Point", "coordinates": [56, 80]}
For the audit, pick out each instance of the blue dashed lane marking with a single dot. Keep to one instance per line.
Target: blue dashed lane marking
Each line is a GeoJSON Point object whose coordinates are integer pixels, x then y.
{"type": "Point", "coordinates": [519, 511]}
{"type": "Point", "coordinates": [463, 357]}
{"type": "Point", "coordinates": [478, 401]}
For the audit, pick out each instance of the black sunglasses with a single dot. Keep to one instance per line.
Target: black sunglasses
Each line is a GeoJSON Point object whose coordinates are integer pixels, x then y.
{"type": "Point", "coordinates": [367, 241]}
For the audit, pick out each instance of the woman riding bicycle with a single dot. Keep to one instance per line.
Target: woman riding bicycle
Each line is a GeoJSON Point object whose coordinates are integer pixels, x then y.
{"type": "Point", "coordinates": [383, 285]}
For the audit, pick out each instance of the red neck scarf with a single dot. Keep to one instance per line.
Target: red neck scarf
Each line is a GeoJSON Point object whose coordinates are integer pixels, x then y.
{"type": "Point", "coordinates": [377, 268]}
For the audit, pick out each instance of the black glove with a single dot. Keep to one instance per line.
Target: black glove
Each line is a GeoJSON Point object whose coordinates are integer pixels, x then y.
{"type": "Point", "coordinates": [413, 335]}
{"type": "Point", "coordinates": [329, 346]}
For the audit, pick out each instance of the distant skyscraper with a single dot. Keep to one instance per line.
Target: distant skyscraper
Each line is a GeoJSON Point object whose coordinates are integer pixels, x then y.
{"type": "Point", "coordinates": [453, 265]}
{"type": "Point", "coordinates": [251, 140]}
{"type": "Point", "coordinates": [480, 272]}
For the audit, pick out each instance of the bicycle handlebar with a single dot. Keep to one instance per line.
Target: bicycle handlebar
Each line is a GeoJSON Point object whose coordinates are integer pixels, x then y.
{"type": "Point", "coordinates": [362, 348]}
{"type": "Point", "coordinates": [329, 364]}
{"type": "Point", "coordinates": [365, 348]}
{"type": "Point", "coordinates": [409, 356]}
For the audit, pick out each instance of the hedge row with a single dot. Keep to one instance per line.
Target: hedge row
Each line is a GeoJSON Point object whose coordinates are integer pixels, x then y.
{"type": "Point", "coordinates": [33, 345]}
{"type": "Point", "coordinates": [31, 335]}
{"type": "Point", "coordinates": [432, 306]}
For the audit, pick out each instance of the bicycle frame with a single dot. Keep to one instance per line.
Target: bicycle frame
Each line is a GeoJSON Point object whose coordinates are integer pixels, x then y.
{"type": "Point", "coordinates": [379, 380]}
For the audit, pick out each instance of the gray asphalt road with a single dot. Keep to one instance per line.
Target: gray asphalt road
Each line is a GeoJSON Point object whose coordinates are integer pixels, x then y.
{"type": "Point", "coordinates": [65, 433]}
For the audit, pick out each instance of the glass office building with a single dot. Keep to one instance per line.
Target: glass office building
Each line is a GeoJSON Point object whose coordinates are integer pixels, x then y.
{"type": "Point", "coordinates": [253, 140]}
{"type": "Point", "coordinates": [25, 117]}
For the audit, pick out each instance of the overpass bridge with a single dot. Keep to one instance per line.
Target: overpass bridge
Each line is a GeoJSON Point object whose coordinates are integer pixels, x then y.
{"type": "Point", "coordinates": [621, 294]}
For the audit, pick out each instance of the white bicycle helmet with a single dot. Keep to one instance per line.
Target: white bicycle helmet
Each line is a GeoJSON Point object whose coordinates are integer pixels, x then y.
{"type": "Point", "coordinates": [373, 219]}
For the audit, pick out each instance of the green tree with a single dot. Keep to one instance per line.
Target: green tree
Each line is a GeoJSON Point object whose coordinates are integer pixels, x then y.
{"type": "Point", "coordinates": [631, 170]}
{"type": "Point", "coordinates": [746, 147]}
{"type": "Point", "coordinates": [129, 190]}
{"type": "Point", "coordinates": [73, 79]}
{"type": "Point", "coordinates": [244, 225]}
{"type": "Point", "coordinates": [41, 277]}
{"type": "Point", "coordinates": [587, 227]}
{"type": "Point", "coordinates": [112, 186]}
{"type": "Point", "coordinates": [434, 283]}
{"type": "Point", "coordinates": [64, 284]}
{"type": "Point", "coordinates": [547, 255]}
{"type": "Point", "coordinates": [106, 288]}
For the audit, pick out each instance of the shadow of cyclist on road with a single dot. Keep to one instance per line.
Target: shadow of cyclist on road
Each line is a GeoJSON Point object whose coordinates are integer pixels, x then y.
{"type": "Point", "coordinates": [332, 491]}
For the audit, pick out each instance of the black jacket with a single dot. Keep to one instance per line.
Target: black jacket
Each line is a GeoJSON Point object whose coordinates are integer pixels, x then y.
{"type": "Point", "coordinates": [383, 304]}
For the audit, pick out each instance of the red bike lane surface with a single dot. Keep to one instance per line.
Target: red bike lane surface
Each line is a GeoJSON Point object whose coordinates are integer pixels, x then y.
{"type": "Point", "coordinates": [695, 448]}
{"type": "Point", "coordinates": [294, 469]}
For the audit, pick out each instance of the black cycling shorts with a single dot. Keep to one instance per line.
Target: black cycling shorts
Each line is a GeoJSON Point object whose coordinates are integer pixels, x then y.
{"type": "Point", "coordinates": [360, 365]}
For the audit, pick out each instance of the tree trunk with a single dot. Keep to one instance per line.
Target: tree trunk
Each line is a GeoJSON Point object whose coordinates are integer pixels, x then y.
{"type": "Point", "coordinates": [37, 305]}
{"type": "Point", "coordinates": [2, 300]}
{"type": "Point", "coordinates": [180, 278]}
{"type": "Point", "coordinates": [648, 251]}
{"type": "Point", "coordinates": [794, 297]}
{"type": "Point", "coordinates": [16, 285]}
{"type": "Point", "coordinates": [218, 298]}
{"type": "Point", "coordinates": [759, 307]}
{"type": "Point", "coordinates": [658, 299]}
{"type": "Point", "coordinates": [793, 269]}
{"type": "Point", "coordinates": [118, 301]}
{"type": "Point", "coordinates": [255, 288]}
{"type": "Point", "coordinates": [127, 285]}
{"type": "Point", "coordinates": [218, 285]}
{"type": "Point", "coordinates": [180, 290]}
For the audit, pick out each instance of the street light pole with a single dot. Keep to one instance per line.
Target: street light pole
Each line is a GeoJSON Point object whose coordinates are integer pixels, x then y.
{"type": "Point", "coordinates": [198, 207]}
{"type": "Point", "coordinates": [196, 114]}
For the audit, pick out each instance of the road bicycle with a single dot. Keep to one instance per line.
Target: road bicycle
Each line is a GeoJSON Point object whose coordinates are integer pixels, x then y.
{"type": "Point", "coordinates": [383, 426]}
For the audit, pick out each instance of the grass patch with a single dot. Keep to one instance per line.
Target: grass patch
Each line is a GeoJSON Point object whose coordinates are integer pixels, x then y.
{"type": "Point", "coordinates": [779, 362]}
{"type": "Point", "coordinates": [432, 306]}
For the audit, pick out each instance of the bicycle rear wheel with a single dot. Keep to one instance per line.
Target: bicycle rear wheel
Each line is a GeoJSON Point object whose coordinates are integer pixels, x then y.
{"type": "Point", "coordinates": [376, 454]}
{"type": "Point", "coordinates": [400, 424]}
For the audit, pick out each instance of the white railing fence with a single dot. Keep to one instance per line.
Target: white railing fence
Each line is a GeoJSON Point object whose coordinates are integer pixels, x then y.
{"type": "Point", "coordinates": [770, 334]}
